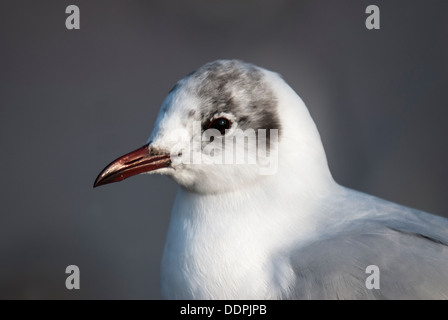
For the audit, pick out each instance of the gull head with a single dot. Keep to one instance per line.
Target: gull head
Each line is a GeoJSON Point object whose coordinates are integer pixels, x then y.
{"type": "Point", "coordinates": [228, 125]}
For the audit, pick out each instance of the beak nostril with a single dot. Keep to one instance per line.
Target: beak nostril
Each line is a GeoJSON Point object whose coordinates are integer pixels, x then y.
{"type": "Point", "coordinates": [133, 161]}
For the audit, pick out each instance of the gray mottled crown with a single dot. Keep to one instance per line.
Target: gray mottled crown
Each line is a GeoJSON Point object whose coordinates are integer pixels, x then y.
{"type": "Point", "coordinates": [235, 87]}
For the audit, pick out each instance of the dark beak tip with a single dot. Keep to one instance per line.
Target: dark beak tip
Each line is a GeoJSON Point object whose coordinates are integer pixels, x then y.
{"type": "Point", "coordinates": [103, 179]}
{"type": "Point", "coordinates": [97, 182]}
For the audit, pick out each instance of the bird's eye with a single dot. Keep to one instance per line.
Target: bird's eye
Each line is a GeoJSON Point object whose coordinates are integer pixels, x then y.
{"type": "Point", "coordinates": [220, 124]}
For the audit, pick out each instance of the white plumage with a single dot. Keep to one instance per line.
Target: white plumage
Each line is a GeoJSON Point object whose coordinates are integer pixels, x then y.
{"type": "Point", "coordinates": [236, 234]}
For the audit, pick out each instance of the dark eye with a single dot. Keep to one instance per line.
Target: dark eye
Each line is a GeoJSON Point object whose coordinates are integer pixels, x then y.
{"type": "Point", "coordinates": [220, 124]}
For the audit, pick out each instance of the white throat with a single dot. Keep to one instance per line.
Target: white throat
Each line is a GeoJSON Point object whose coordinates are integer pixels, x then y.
{"type": "Point", "coordinates": [219, 246]}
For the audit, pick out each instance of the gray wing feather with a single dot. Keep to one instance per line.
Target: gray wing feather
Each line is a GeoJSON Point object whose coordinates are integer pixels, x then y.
{"type": "Point", "coordinates": [409, 247]}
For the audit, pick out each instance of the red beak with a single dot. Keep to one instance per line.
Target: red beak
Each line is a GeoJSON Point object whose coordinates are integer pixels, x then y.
{"type": "Point", "coordinates": [138, 161]}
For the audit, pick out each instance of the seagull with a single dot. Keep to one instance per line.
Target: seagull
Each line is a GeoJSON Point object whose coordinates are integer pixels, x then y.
{"type": "Point", "coordinates": [291, 232]}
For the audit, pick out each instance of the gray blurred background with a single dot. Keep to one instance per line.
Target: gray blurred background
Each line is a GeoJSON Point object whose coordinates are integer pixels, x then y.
{"type": "Point", "coordinates": [72, 101]}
